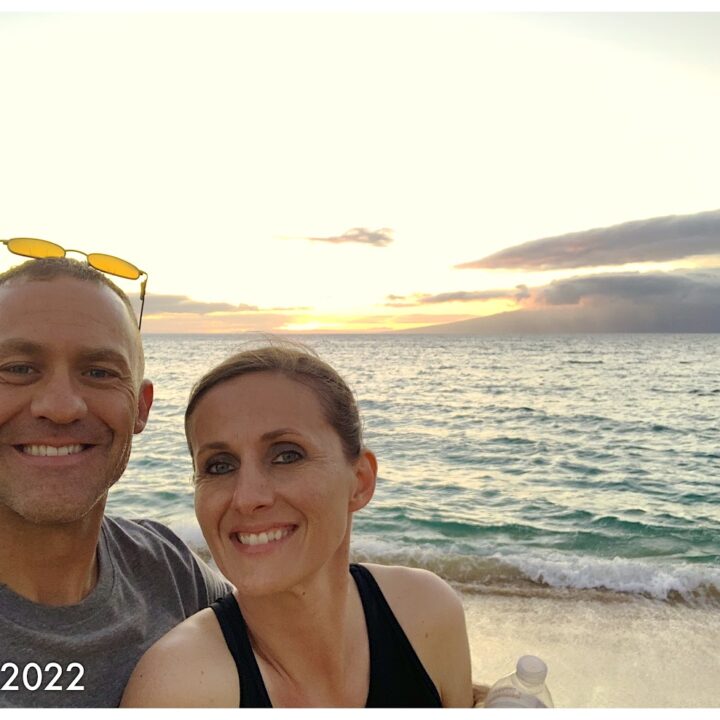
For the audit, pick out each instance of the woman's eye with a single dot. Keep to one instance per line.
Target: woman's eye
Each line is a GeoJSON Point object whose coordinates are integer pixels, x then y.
{"type": "Point", "coordinates": [286, 457]}
{"type": "Point", "coordinates": [219, 468]}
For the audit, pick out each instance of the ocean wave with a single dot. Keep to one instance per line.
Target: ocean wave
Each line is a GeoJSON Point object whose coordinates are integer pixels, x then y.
{"type": "Point", "coordinates": [662, 581]}
{"type": "Point", "coordinates": [542, 574]}
{"type": "Point", "coordinates": [704, 392]}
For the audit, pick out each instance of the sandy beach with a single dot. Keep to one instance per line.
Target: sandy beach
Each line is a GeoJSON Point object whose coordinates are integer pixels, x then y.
{"type": "Point", "coordinates": [601, 653]}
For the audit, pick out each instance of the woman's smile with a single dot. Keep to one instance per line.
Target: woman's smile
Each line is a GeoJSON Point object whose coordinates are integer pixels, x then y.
{"type": "Point", "coordinates": [262, 541]}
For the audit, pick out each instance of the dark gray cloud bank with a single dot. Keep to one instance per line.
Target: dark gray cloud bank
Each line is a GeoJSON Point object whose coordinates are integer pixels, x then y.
{"type": "Point", "coordinates": [156, 304]}
{"type": "Point", "coordinates": [518, 294]}
{"type": "Point", "coordinates": [658, 239]}
{"type": "Point", "coordinates": [378, 238]}
{"type": "Point", "coordinates": [681, 301]}
{"type": "Point", "coordinates": [685, 286]}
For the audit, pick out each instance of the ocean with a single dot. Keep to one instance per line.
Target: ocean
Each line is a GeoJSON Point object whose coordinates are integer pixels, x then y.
{"type": "Point", "coordinates": [566, 486]}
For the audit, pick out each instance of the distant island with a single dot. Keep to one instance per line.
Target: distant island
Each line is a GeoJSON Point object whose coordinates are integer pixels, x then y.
{"type": "Point", "coordinates": [618, 317]}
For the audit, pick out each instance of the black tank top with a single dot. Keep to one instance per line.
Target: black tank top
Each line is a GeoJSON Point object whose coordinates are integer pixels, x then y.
{"type": "Point", "coordinates": [397, 677]}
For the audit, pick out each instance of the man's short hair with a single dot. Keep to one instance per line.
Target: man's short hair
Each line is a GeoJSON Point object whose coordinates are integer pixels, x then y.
{"type": "Point", "coordinates": [45, 269]}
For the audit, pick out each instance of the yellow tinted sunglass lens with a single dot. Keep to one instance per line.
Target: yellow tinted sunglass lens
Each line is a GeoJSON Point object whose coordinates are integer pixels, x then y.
{"type": "Point", "coordinates": [113, 265]}
{"type": "Point", "coordinates": [34, 248]}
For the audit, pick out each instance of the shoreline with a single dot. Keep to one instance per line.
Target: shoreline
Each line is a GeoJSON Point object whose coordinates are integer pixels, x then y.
{"type": "Point", "coordinates": [603, 649]}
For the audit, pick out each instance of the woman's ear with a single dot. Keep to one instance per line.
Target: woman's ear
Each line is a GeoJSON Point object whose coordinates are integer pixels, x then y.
{"type": "Point", "coordinates": [365, 468]}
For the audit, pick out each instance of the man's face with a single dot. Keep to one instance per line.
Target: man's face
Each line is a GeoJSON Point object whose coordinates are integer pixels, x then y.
{"type": "Point", "coordinates": [70, 400]}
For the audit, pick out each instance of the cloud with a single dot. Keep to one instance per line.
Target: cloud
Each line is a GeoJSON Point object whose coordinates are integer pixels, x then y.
{"type": "Point", "coordinates": [378, 238]}
{"type": "Point", "coordinates": [225, 323]}
{"type": "Point", "coordinates": [158, 304]}
{"type": "Point", "coordinates": [680, 301]}
{"type": "Point", "coordinates": [657, 239]}
{"type": "Point", "coordinates": [300, 308]}
{"type": "Point", "coordinates": [695, 286]}
{"type": "Point", "coordinates": [521, 292]}
{"type": "Point", "coordinates": [517, 294]}
{"type": "Point", "coordinates": [427, 318]}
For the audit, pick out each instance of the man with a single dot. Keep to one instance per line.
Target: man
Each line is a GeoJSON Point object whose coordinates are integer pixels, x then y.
{"type": "Point", "coordinates": [82, 596]}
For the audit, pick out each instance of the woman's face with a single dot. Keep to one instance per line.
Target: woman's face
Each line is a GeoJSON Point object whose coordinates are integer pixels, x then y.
{"type": "Point", "coordinates": [274, 490]}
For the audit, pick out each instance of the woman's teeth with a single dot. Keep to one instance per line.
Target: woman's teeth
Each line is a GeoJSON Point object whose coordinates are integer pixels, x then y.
{"type": "Point", "coordinates": [263, 537]}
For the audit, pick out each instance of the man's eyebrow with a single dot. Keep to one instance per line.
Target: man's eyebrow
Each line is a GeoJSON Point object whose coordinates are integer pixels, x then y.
{"type": "Point", "coordinates": [104, 355]}
{"type": "Point", "coordinates": [19, 346]}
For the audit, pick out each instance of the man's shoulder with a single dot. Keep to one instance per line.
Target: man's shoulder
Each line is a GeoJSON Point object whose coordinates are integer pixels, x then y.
{"type": "Point", "coordinates": [143, 544]}
{"type": "Point", "coordinates": [141, 549]}
{"type": "Point", "coordinates": [140, 531]}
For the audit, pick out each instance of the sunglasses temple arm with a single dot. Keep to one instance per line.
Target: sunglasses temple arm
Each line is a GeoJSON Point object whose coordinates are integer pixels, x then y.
{"type": "Point", "coordinates": [142, 301]}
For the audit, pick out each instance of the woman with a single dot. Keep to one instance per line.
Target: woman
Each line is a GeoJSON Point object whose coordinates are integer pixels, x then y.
{"type": "Point", "coordinates": [280, 468]}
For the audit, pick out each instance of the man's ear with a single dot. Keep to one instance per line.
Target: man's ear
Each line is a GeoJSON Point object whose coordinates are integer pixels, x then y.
{"type": "Point", "coordinates": [365, 475]}
{"type": "Point", "coordinates": [145, 400]}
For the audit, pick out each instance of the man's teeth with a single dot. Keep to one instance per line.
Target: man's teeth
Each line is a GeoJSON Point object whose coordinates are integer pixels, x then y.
{"type": "Point", "coordinates": [51, 450]}
{"type": "Point", "coordinates": [263, 537]}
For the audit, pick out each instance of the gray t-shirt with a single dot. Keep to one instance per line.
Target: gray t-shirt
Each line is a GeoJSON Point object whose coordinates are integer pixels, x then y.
{"type": "Point", "coordinates": [82, 655]}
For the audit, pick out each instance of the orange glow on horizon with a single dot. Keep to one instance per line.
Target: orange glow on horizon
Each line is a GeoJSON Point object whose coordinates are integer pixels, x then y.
{"type": "Point", "coordinates": [219, 323]}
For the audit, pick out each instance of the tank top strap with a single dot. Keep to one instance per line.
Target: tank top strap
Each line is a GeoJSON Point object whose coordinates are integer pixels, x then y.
{"type": "Point", "coordinates": [397, 677]}
{"type": "Point", "coordinates": [252, 687]}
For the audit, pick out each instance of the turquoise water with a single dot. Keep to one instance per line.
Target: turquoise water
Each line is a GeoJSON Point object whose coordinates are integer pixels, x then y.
{"type": "Point", "coordinates": [507, 464]}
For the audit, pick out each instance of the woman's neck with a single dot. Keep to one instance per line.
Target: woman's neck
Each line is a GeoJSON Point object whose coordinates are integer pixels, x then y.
{"type": "Point", "coordinates": [311, 641]}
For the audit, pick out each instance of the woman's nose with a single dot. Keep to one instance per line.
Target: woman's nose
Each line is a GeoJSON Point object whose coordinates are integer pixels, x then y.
{"type": "Point", "coordinates": [253, 490]}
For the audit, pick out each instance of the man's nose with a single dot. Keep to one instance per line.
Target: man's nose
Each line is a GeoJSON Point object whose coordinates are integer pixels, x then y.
{"type": "Point", "coordinates": [57, 398]}
{"type": "Point", "coordinates": [253, 490]}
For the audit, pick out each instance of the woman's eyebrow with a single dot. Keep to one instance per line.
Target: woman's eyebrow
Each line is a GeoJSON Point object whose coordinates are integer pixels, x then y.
{"type": "Point", "coordinates": [272, 434]}
{"type": "Point", "coordinates": [216, 445]}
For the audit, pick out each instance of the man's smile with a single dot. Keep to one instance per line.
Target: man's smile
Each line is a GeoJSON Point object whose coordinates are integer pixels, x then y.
{"type": "Point", "coordinates": [52, 450]}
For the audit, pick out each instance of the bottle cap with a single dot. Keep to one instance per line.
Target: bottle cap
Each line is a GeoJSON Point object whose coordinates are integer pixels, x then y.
{"type": "Point", "coordinates": [531, 670]}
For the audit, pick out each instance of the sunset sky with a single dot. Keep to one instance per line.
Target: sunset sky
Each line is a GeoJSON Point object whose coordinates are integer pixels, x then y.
{"type": "Point", "coordinates": [361, 172]}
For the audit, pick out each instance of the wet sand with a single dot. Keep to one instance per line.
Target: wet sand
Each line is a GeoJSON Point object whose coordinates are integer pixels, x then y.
{"type": "Point", "coordinates": [619, 652]}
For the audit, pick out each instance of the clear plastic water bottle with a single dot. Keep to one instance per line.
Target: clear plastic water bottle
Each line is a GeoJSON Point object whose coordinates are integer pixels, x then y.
{"type": "Point", "coordinates": [525, 688]}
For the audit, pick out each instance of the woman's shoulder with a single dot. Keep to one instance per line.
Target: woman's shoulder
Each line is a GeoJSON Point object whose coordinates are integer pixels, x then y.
{"type": "Point", "coordinates": [402, 586]}
{"type": "Point", "coordinates": [190, 666]}
{"type": "Point", "coordinates": [431, 614]}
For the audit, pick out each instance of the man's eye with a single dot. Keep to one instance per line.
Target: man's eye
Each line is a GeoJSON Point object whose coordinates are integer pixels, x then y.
{"type": "Point", "coordinates": [99, 373]}
{"type": "Point", "coordinates": [285, 457]}
{"type": "Point", "coordinates": [19, 369]}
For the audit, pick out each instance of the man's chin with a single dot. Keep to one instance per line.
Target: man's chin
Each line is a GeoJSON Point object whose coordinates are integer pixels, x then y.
{"type": "Point", "coordinates": [61, 514]}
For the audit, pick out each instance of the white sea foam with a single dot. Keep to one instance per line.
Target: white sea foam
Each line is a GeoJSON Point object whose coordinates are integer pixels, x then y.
{"type": "Point", "coordinates": [618, 574]}
{"type": "Point", "coordinates": [659, 580]}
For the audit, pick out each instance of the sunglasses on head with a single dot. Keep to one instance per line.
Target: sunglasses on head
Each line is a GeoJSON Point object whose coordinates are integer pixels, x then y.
{"type": "Point", "coordinates": [109, 264]}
